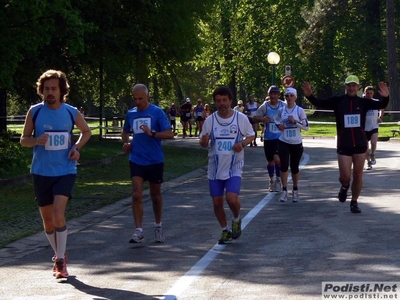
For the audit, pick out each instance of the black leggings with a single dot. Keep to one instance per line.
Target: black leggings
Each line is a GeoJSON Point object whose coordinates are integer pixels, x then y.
{"type": "Point", "coordinates": [292, 153]}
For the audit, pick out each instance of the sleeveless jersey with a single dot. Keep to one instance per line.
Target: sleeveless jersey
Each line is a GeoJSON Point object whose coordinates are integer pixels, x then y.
{"type": "Point", "coordinates": [251, 108]}
{"type": "Point", "coordinates": [198, 111]}
{"type": "Point", "coordinates": [52, 158]}
{"type": "Point", "coordinates": [172, 113]}
{"type": "Point", "coordinates": [371, 119]}
{"type": "Point", "coordinates": [291, 134]}
{"type": "Point", "coordinates": [272, 131]}
{"type": "Point", "coordinates": [223, 161]}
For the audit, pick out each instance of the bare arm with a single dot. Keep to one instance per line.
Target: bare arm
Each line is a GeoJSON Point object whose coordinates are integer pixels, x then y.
{"type": "Point", "coordinates": [83, 127]}
{"type": "Point", "coordinates": [27, 140]}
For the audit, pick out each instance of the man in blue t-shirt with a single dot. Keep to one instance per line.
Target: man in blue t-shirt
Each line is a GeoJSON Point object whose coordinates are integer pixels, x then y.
{"type": "Point", "coordinates": [149, 125]}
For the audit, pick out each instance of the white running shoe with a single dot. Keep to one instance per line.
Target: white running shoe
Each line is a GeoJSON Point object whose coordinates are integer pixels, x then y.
{"type": "Point", "coordinates": [295, 195]}
{"type": "Point", "coordinates": [373, 160]}
{"type": "Point", "coordinates": [272, 185]}
{"type": "Point", "coordinates": [137, 237]}
{"type": "Point", "coordinates": [278, 184]}
{"type": "Point", "coordinates": [159, 235]}
{"type": "Point", "coordinates": [283, 196]}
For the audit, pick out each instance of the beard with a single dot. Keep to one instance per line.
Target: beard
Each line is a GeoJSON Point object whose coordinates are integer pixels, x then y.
{"type": "Point", "coordinates": [51, 100]}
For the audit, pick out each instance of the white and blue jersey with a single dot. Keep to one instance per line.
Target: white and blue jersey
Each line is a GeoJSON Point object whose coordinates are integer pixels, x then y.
{"type": "Point", "coordinates": [371, 119]}
{"type": "Point", "coordinates": [251, 108]}
{"type": "Point", "coordinates": [146, 150]}
{"type": "Point", "coordinates": [52, 158]}
{"type": "Point", "coordinates": [223, 161]}
{"type": "Point", "coordinates": [272, 131]}
{"type": "Point", "coordinates": [292, 132]}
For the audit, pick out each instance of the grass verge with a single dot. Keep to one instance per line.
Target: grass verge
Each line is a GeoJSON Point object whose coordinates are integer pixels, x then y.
{"type": "Point", "coordinates": [96, 186]}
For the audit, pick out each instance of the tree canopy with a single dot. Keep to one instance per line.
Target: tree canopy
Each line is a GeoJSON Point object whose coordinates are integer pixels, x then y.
{"type": "Point", "coordinates": [186, 48]}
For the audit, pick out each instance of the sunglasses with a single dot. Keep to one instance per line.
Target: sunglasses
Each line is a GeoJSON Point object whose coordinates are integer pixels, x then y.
{"type": "Point", "coordinates": [289, 95]}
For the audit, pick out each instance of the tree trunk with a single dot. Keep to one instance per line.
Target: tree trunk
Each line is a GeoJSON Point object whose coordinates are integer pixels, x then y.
{"type": "Point", "coordinates": [3, 110]}
{"type": "Point", "coordinates": [392, 60]}
{"type": "Point", "coordinates": [177, 85]}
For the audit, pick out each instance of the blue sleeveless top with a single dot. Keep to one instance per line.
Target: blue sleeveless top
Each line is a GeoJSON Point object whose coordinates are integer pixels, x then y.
{"type": "Point", "coordinates": [272, 132]}
{"type": "Point", "coordinates": [52, 158]}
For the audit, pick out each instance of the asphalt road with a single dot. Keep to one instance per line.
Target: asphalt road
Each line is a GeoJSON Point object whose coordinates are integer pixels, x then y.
{"type": "Point", "coordinates": [285, 252]}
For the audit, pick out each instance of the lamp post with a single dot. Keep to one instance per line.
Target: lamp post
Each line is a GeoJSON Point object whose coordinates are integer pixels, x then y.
{"type": "Point", "coordinates": [273, 59]}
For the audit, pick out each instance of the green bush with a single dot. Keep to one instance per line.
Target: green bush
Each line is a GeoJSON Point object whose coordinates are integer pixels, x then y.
{"type": "Point", "coordinates": [11, 153]}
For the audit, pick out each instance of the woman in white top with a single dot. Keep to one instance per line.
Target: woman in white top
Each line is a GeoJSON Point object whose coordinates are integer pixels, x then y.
{"type": "Point", "coordinates": [290, 120]}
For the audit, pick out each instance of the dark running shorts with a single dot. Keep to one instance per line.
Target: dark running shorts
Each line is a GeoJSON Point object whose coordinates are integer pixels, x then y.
{"type": "Point", "coordinates": [351, 151]}
{"type": "Point", "coordinates": [46, 187]}
{"type": "Point", "coordinates": [150, 173]}
{"type": "Point", "coordinates": [370, 133]}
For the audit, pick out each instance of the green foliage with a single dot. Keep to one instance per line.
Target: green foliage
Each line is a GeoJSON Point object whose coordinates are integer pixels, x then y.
{"type": "Point", "coordinates": [11, 154]}
{"type": "Point", "coordinates": [185, 48]}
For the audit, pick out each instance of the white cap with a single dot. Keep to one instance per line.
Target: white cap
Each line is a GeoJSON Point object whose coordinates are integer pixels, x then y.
{"type": "Point", "coordinates": [291, 91]}
{"type": "Point", "coordinates": [187, 99]}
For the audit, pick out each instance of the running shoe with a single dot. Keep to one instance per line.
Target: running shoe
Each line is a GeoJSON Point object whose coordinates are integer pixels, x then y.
{"type": "Point", "coordinates": [342, 194]}
{"type": "Point", "coordinates": [137, 237]}
{"type": "Point", "coordinates": [295, 195]}
{"type": "Point", "coordinates": [54, 259]}
{"type": "Point", "coordinates": [261, 139]}
{"type": "Point", "coordinates": [158, 235]}
{"type": "Point", "coordinates": [283, 196]}
{"type": "Point", "coordinates": [354, 208]}
{"type": "Point", "coordinates": [61, 269]}
{"type": "Point", "coordinates": [226, 237]}
{"type": "Point", "coordinates": [369, 167]}
{"type": "Point", "coordinates": [272, 185]}
{"type": "Point", "coordinates": [236, 229]}
{"type": "Point", "coordinates": [373, 160]}
{"type": "Point", "coordinates": [278, 185]}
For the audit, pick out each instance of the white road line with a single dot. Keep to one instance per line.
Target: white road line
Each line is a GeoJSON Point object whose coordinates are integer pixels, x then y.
{"type": "Point", "coordinates": [184, 282]}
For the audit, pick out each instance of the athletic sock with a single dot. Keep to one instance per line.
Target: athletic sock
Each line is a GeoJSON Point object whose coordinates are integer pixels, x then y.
{"type": "Point", "coordinates": [278, 170]}
{"type": "Point", "coordinates": [270, 171]}
{"type": "Point", "coordinates": [61, 240]}
{"type": "Point", "coordinates": [52, 240]}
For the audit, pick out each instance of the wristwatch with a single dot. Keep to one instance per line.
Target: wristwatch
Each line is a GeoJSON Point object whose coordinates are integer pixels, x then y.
{"type": "Point", "coordinates": [153, 133]}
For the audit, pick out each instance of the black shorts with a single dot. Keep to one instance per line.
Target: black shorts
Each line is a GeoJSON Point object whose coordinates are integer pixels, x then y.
{"type": "Point", "coordinates": [370, 133]}
{"type": "Point", "coordinates": [251, 120]}
{"type": "Point", "coordinates": [46, 187]}
{"type": "Point", "coordinates": [271, 148]}
{"type": "Point", "coordinates": [150, 173]}
{"type": "Point", "coordinates": [352, 150]}
{"type": "Point", "coordinates": [199, 119]}
{"type": "Point", "coordinates": [185, 119]}
{"type": "Point", "coordinates": [173, 122]}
